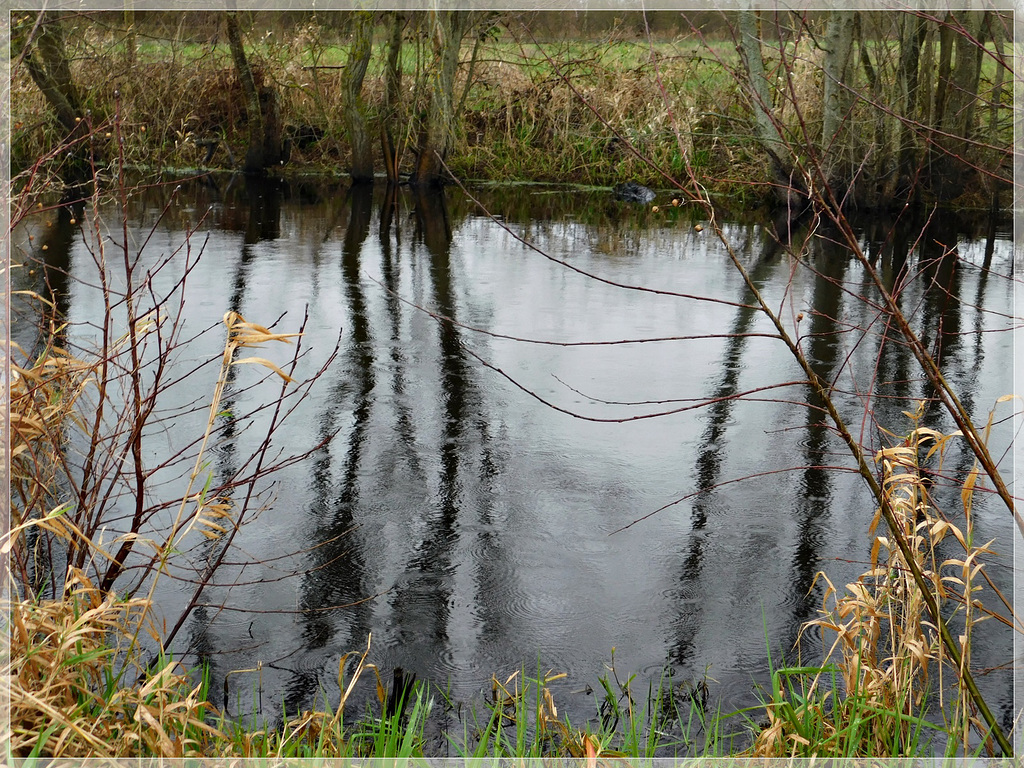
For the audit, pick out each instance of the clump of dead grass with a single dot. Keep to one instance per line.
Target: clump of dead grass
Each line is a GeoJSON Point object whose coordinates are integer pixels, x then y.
{"type": "Point", "coordinates": [75, 694]}
{"type": "Point", "coordinates": [889, 659]}
{"type": "Point", "coordinates": [43, 396]}
{"type": "Point", "coordinates": [79, 687]}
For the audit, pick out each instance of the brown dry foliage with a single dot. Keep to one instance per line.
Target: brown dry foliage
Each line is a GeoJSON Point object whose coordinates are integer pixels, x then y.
{"type": "Point", "coordinates": [63, 701]}
{"type": "Point", "coordinates": [43, 396]}
{"type": "Point", "coordinates": [886, 646]}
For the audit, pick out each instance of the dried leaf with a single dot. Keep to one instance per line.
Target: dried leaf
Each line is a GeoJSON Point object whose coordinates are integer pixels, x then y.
{"type": "Point", "coordinates": [967, 494]}
{"type": "Point", "coordinates": [266, 363]}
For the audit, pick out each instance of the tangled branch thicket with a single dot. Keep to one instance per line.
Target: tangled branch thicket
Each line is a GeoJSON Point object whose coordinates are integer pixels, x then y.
{"type": "Point", "coordinates": [94, 525]}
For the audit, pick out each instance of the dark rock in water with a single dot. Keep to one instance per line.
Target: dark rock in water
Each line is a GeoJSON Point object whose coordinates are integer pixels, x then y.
{"type": "Point", "coordinates": [631, 192]}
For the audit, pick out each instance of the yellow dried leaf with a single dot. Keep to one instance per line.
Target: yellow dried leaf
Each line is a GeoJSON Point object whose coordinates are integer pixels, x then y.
{"type": "Point", "coordinates": [166, 746]}
{"type": "Point", "coordinates": [244, 333]}
{"type": "Point", "coordinates": [896, 452]}
{"type": "Point", "coordinates": [267, 364]}
{"type": "Point", "coordinates": [215, 509]}
{"type": "Point", "coordinates": [967, 493]}
{"type": "Point", "coordinates": [874, 521]}
{"type": "Point", "coordinates": [874, 551]}
{"type": "Point", "coordinates": [959, 535]}
{"type": "Point", "coordinates": [207, 523]}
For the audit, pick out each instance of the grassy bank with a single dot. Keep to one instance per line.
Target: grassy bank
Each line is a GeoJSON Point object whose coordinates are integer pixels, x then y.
{"type": "Point", "coordinates": [597, 112]}
{"type": "Point", "coordinates": [581, 113]}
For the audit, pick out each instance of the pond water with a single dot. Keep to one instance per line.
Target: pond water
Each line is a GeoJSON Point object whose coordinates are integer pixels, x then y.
{"type": "Point", "coordinates": [480, 502]}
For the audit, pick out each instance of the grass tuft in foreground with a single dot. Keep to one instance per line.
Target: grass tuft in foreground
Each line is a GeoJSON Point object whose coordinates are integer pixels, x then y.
{"type": "Point", "coordinates": [75, 694]}
{"type": "Point", "coordinates": [891, 673]}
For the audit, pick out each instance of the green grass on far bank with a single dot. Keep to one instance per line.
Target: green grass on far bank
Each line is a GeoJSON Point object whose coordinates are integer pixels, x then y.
{"type": "Point", "coordinates": [577, 112]}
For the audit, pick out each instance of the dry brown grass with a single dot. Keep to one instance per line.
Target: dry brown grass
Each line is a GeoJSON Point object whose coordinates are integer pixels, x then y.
{"type": "Point", "coordinates": [886, 647]}
{"type": "Point", "coordinates": [73, 692]}
{"type": "Point", "coordinates": [44, 393]}
{"type": "Point", "coordinates": [79, 688]}
{"type": "Point", "coordinates": [78, 685]}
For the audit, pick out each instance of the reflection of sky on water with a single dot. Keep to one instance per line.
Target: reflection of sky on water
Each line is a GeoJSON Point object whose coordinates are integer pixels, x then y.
{"type": "Point", "coordinates": [482, 519]}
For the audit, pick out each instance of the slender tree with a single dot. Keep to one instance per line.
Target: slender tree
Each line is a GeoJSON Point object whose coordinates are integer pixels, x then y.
{"type": "Point", "coordinates": [912, 35]}
{"type": "Point", "coordinates": [393, 94]}
{"type": "Point", "coordinates": [836, 68]}
{"type": "Point", "coordinates": [760, 93]}
{"type": "Point", "coordinates": [955, 122]}
{"type": "Point", "coordinates": [39, 41]}
{"type": "Point", "coordinates": [355, 119]}
{"type": "Point", "coordinates": [438, 131]}
{"type": "Point", "coordinates": [263, 114]}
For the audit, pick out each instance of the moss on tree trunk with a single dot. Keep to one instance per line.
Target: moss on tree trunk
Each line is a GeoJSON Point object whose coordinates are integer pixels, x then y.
{"type": "Point", "coordinates": [438, 131]}
{"type": "Point", "coordinates": [355, 120]}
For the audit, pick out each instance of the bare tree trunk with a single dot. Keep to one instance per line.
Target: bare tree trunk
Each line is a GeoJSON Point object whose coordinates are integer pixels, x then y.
{"type": "Point", "coordinates": [958, 86]}
{"type": "Point", "coordinates": [355, 120]}
{"type": "Point", "coordinates": [759, 91]}
{"type": "Point", "coordinates": [998, 35]}
{"type": "Point", "coordinates": [40, 42]}
{"type": "Point", "coordinates": [926, 70]}
{"type": "Point", "coordinates": [393, 87]}
{"type": "Point", "coordinates": [878, 161]}
{"type": "Point", "coordinates": [912, 34]}
{"type": "Point", "coordinates": [254, 115]}
{"type": "Point", "coordinates": [865, 56]}
{"type": "Point", "coordinates": [437, 135]}
{"type": "Point", "coordinates": [942, 83]}
{"type": "Point", "coordinates": [45, 56]}
{"type": "Point", "coordinates": [836, 103]}
{"type": "Point", "coordinates": [965, 77]}
{"type": "Point", "coordinates": [263, 113]}
{"type": "Point", "coordinates": [275, 151]}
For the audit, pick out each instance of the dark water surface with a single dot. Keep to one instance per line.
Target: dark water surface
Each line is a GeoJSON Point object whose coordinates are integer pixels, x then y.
{"type": "Point", "coordinates": [477, 530]}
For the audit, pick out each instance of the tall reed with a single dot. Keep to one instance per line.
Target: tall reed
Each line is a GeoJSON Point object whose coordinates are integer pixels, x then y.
{"type": "Point", "coordinates": [890, 672]}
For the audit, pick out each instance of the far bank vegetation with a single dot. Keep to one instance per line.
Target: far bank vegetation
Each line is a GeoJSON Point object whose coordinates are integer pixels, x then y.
{"type": "Point", "coordinates": [891, 106]}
